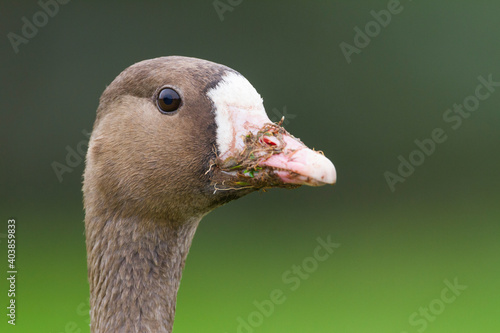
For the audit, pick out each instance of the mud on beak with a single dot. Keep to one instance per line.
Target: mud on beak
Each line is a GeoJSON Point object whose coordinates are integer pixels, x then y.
{"type": "Point", "coordinates": [298, 164]}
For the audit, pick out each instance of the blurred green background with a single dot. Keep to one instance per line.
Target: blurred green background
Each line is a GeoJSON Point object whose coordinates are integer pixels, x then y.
{"type": "Point", "coordinates": [397, 248]}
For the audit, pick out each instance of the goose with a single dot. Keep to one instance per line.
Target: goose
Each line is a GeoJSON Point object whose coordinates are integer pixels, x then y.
{"type": "Point", "coordinates": [174, 138]}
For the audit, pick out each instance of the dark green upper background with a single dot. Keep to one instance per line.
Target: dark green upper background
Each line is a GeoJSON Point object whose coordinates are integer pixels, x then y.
{"type": "Point", "coordinates": [397, 247]}
{"type": "Point", "coordinates": [363, 114]}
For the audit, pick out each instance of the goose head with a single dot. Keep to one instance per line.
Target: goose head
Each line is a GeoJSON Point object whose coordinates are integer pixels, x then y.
{"type": "Point", "coordinates": [175, 137]}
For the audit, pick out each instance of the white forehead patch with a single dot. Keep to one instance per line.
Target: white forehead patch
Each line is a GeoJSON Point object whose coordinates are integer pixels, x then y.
{"type": "Point", "coordinates": [238, 109]}
{"type": "Point", "coordinates": [234, 89]}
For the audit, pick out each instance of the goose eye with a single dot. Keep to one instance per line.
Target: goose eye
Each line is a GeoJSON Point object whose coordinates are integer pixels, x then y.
{"type": "Point", "coordinates": [168, 100]}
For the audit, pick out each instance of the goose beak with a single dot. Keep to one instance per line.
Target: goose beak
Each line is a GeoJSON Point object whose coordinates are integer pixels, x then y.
{"type": "Point", "coordinates": [297, 164]}
{"type": "Point", "coordinates": [263, 154]}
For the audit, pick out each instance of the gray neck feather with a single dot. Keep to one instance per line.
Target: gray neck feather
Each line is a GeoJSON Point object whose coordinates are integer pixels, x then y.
{"type": "Point", "coordinates": [135, 267]}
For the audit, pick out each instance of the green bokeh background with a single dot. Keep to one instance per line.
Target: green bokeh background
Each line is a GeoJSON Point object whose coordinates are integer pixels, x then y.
{"type": "Point", "coordinates": [397, 248]}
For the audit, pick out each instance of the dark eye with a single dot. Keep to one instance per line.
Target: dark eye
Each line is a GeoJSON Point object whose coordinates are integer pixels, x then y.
{"type": "Point", "coordinates": [168, 100]}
